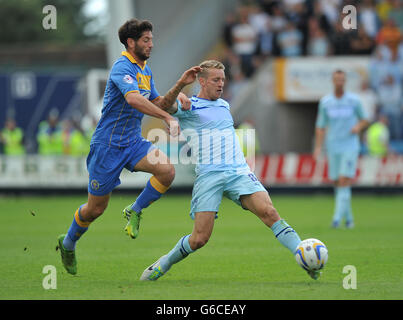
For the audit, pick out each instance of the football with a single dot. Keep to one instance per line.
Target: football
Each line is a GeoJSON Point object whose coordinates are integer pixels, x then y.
{"type": "Point", "coordinates": [311, 254]}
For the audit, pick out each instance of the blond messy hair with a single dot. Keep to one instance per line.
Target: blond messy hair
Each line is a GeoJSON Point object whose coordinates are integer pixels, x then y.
{"type": "Point", "coordinates": [209, 64]}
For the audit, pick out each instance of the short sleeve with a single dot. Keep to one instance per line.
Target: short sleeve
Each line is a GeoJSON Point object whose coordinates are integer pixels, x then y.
{"type": "Point", "coordinates": [321, 119]}
{"type": "Point", "coordinates": [359, 111]}
{"type": "Point", "coordinates": [180, 114]}
{"type": "Point", "coordinates": [154, 93]}
{"type": "Point", "coordinates": [124, 79]}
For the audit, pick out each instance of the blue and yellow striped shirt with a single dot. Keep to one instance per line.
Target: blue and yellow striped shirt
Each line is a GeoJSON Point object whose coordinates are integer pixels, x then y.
{"type": "Point", "coordinates": [119, 121]}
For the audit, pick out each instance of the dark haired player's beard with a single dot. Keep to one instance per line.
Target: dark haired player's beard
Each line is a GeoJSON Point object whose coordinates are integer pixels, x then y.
{"type": "Point", "coordinates": [141, 54]}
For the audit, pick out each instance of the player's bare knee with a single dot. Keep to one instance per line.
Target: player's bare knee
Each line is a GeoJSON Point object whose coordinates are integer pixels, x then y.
{"type": "Point", "coordinates": [167, 175]}
{"type": "Point", "coordinates": [170, 173]}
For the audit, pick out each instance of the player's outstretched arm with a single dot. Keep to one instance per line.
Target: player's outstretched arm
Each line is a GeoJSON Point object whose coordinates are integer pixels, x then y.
{"type": "Point", "coordinates": [168, 102]}
{"type": "Point", "coordinates": [360, 126]}
{"type": "Point", "coordinates": [137, 101]}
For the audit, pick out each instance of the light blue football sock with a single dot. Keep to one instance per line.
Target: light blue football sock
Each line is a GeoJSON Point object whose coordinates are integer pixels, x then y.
{"type": "Point", "coordinates": [181, 250]}
{"type": "Point", "coordinates": [338, 206]}
{"type": "Point", "coordinates": [286, 235]}
{"type": "Point", "coordinates": [342, 203]}
{"type": "Point", "coordinates": [348, 214]}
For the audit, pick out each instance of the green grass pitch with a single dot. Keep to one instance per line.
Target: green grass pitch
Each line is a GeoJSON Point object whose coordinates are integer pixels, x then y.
{"type": "Point", "coordinates": [243, 260]}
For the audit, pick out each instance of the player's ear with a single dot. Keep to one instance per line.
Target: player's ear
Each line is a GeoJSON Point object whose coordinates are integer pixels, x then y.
{"type": "Point", "coordinates": [202, 81]}
{"type": "Point", "coordinates": [130, 43]}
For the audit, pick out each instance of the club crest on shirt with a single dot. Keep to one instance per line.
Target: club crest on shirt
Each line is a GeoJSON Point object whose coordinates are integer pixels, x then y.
{"type": "Point", "coordinates": [94, 184]}
{"type": "Point", "coordinates": [128, 79]}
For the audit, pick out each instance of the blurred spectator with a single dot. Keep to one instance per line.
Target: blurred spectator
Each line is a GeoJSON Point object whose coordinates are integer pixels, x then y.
{"type": "Point", "coordinates": [12, 138]}
{"type": "Point", "coordinates": [278, 20]}
{"type": "Point", "coordinates": [88, 124]}
{"type": "Point", "coordinates": [341, 39]}
{"type": "Point", "coordinates": [390, 98]}
{"type": "Point", "coordinates": [230, 21]}
{"type": "Point", "coordinates": [383, 8]}
{"type": "Point", "coordinates": [290, 41]}
{"type": "Point", "coordinates": [378, 137]}
{"type": "Point", "coordinates": [331, 9]}
{"type": "Point", "coordinates": [368, 18]}
{"type": "Point", "coordinates": [318, 45]}
{"type": "Point", "coordinates": [298, 14]}
{"type": "Point", "coordinates": [323, 22]}
{"type": "Point", "coordinates": [49, 136]}
{"type": "Point", "coordinates": [244, 39]}
{"type": "Point", "coordinates": [67, 130]}
{"type": "Point", "coordinates": [278, 23]}
{"type": "Point", "coordinates": [260, 21]}
{"type": "Point", "coordinates": [396, 13]}
{"type": "Point", "coordinates": [369, 100]}
{"type": "Point", "coordinates": [378, 66]}
{"type": "Point", "coordinates": [361, 43]}
{"type": "Point", "coordinates": [389, 35]}
{"type": "Point", "coordinates": [79, 141]}
{"type": "Point", "coordinates": [292, 28]}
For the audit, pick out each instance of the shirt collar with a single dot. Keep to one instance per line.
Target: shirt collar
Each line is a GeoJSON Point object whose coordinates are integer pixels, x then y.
{"type": "Point", "coordinates": [132, 60]}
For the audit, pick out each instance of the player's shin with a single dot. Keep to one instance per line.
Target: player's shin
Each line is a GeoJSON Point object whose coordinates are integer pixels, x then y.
{"type": "Point", "coordinates": [77, 229]}
{"type": "Point", "coordinates": [348, 213]}
{"type": "Point", "coordinates": [152, 192]}
{"type": "Point", "coordinates": [342, 204]}
{"type": "Point", "coordinates": [286, 235]}
{"type": "Point", "coordinates": [181, 250]}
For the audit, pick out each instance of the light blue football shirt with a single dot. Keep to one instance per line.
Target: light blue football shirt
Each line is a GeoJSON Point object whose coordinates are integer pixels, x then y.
{"type": "Point", "coordinates": [339, 116]}
{"type": "Point", "coordinates": [209, 129]}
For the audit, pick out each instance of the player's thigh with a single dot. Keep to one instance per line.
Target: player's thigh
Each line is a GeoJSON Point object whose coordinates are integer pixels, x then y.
{"type": "Point", "coordinates": [207, 193]}
{"type": "Point", "coordinates": [157, 163]}
{"type": "Point", "coordinates": [334, 164]}
{"type": "Point", "coordinates": [261, 205]}
{"type": "Point", "coordinates": [241, 185]}
{"type": "Point", "coordinates": [348, 165]}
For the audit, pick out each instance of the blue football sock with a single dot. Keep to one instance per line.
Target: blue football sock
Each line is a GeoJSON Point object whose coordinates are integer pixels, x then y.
{"type": "Point", "coordinates": [286, 235]}
{"type": "Point", "coordinates": [181, 250]}
{"type": "Point", "coordinates": [152, 192]}
{"type": "Point", "coordinates": [77, 229]}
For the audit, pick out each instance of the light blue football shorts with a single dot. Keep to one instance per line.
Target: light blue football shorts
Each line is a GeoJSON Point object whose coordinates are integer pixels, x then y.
{"type": "Point", "coordinates": [210, 187]}
{"type": "Point", "coordinates": [343, 164]}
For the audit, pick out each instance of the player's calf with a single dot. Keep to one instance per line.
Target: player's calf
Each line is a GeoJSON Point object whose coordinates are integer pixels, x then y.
{"type": "Point", "coordinates": [165, 174]}
{"type": "Point", "coordinates": [198, 241]}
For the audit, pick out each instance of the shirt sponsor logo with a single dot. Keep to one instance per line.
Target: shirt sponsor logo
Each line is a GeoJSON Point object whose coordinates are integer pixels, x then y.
{"type": "Point", "coordinates": [128, 79]}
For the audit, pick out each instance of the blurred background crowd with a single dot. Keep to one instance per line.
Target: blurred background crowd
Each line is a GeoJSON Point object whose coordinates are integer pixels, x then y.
{"type": "Point", "coordinates": [261, 29]}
